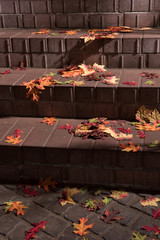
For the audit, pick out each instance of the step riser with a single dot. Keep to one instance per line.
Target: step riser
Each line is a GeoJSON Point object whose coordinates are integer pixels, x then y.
{"type": "Point", "coordinates": [79, 20]}
{"type": "Point", "coordinates": [128, 170]}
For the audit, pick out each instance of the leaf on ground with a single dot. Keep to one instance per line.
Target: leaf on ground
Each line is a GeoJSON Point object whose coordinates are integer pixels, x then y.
{"type": "Point", "coordinates": [81, 227]}
{"type": "Point", "coordinates": [92, 204]}
{"type": "Point", "coordinates": [145, 115]}
{"type": "Point", "coordinates": [83, 189]}
{"type": "Point", "coordinates": [99, 68]}
{"type": "Point", "coordinates": [150, 82]}
{"type": "Point", "coordinates": [66, 127]}
{"type": "Point", "coordinates": [150, 201]}
{"type": "Point", "coordinates": [6, 72]}
{"type": "Point", "coordinates": [20, 67]}
{"type": "Point", "coordinates": [106, 200]}
{"type": "Point", "coordinates": [133, 83]}
{"type": "Point", "coordinates": [148, 127]}
{"type": "Point", "coordinates": [86, 70]}
{"type": "Point", "coordinates": [49, 120]}
{"type": "Point", "coordinates": [67, 196]}
{"type": "Point", "coordinates": [154, 144]}
{"type": "Point", "coordinates": [42, 31]}
{"type": "Point", "coordinates": [37, 226]}
{"type": "Point", "coordinates": [45, 183]}
{"type": "Point", "coordinates": [118, 194]}
{"type": "Point", "coordinates": [109, 217]}
{"type": "Point", "coordinates": [75, 83]}
{"type": "Point", "coordinates": [156, 213]}
{"type": "Point", "coordinates": [113, 80]}
{"type": "Point", "coordinates": [13, 140]}
{"type": "Point", "coordinates": [149, 75]}
{"type": "Point", "coordinates": [130, 147]}
{"type": "Point", "coordinates": [138, 236]}
{"type": "Point", "coordinates": [141, 134]}
{"type": "Point", "coordinates": [155, 228]}
{"type": "Point", "coordinates": [15, 205]}
{"type": "Point", "coordinates": [17, 132]}
{"type": "Point", "coordinates": [31, 192]}
{"type": "Point", "coordinates": [117, 135]}
{"type": "Point", "coordinates": [99, 191]}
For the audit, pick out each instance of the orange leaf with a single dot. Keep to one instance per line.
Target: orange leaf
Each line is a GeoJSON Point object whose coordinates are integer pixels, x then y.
{"type": "Point", "coordinates": [15, 206]}
{"type": "Point", "coordinates": [45, 183]}
{"type": "Point", "coordinates": [118, 194]}
{"type": "Point", "coordinates": [13, 140]}
{"type": "Point", "coordinates": [81, 227]}
{"type": "Point", "coordinates": [151, 201]}
{"type": "Point", "coordinates": [130, 147]}
{"type": "Point", "coordinates": [49, 120]}
{"type": "Point", "coordinates": [148, 127]}
{"type": "Point", "coordinates": [67, 196]}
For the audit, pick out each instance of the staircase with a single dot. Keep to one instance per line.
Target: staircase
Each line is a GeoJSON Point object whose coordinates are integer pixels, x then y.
{"type": "Point", "coordinates": [47, 150]}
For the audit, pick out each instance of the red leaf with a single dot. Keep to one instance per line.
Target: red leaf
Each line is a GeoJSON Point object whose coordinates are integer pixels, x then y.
{"type": "Point", "coordinates": [108, 217]}
{"type": "Point", "coordinates": [123, 130]}
{"type": "Point", "coordinates": [156, 229]}
{"type": "Point", "coordinates": [32, 193]}
{"type": "Point", "coordinates": [156, 214]}
{"type": "Point", "coordinates": [141, 134]}
{"type": "Point", "coordinates": [6, 72]}
{"type": "Point", "coordinates": [66, 127]}
{"type": "Point", "coordinates": [17, 132]}
{"type": "Point", "coordinates": [32, 231]}
{"type": "Point", "coordinates": [130, 83]}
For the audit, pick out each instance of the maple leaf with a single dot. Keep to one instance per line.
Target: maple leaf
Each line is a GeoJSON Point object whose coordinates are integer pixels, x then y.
{"type": "Point", "coordinates": [141, 134]}
{"type": "Point", "coordinates": [13, 140]}
{"type": "Point", "coordinates": [99, 68]}
{"type": "Point", "coordinates": [84, 189]}
{"type": "Point", "coordinates": [150, 82]}
{"type": "Point", "coordinates": [15, 206]}
{"type": "Point", "coordinates": [71, 32]}
{"type": "Point", "coordinates": [108, 217]}
{"type": "Point", "coordinates": [106, 200]}
{"type": "Point", "coordinates": [150, 201]}
{"type": "Point", "coordinates": [138, 236]}
{"type": "Point", "coordinates": [113, 80]}
{"type": "Point", "coordinates": [130, 83]}
{"type": "Point", "coordinates": [156, 214]}
{"type": "Point", "coordinates": [32, 193]}
{"type": "Point", "coordinates": [31, 233]}
{"type": "Point", "coordinates": [66, 127]}
{"type": "Point", "coordinates": [130, 147]}
{"type": "Point", "coordinates": [49, 120]}
{"type": "Point", "coordinates": [42, 31]}
{"type": "Point", "coordinates": [17, 132]}
{"type": "Point", "coordinates": [123, 130]}
{"type": "Point", "coordinates": [145, 115]}
{"type": "Point", "coordinates": [81, 227]}
{"type": "Point", "coordinates": [154, 144]}
{"type": "Point", "coordinates": [6, 72]}
{"type": "Point", "coordinates": [155, 228]}
{"type": "Point", "coordinates": [67, 196]}
{"type": "Point", "coordinates": [118, 194]}
{"type": "Point", "coordinates": [148, 127]}
{"type": "Point", "coordinates": [45, 183]}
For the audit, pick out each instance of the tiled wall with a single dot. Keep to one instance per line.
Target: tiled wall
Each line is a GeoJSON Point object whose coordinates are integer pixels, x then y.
{"type": "Point", "coordinates": [78, 13]}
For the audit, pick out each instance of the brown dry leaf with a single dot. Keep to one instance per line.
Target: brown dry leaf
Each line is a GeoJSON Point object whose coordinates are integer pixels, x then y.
{"type": "Point", "coordinates": [118, 194]}
{"type": "Point", "coordinates": [130, 147]}
{"type": "Point", "coordinates": [45, 183]}
{"type": "Point", "coordinates": [67, 196]}
{"type": "Point", "coordinates": [151, 201]}
{"type": "Point", "coordinates": [145, 115]}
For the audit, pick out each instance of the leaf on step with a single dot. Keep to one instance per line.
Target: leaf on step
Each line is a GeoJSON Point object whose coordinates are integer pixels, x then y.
{"type": "Point", "coordinates": [49, 120]}
{"type": "Point", "coordinates": [99, 191]}
{"type": "Point", "coordinates": [133, 83]}
{"type": "Point", "coordinates": [20, 67]}
{"type": "Point", "coordinates": [81, 227]}
{"type": "Point", "coordinates": [42, 31]}
{"type": "Point", "coordinates": [138, 236]}
{"type": "Point", "coordinates": [37, 226]}
{"type": "Point", "coordinates": [154, 144]}
{"type": "Point", "coordinates": [86, 70]}
{"type": "Point", "coordinates": [66, 127]}
{"type": "Point", "coordinates": [145, 115]}
{"type": "Point", "coordinates": [67, 196]}
{"type": "Point", "coordinates": [148, 127]}
{"type": "Point", "coordinates": [123, 130]}
{"type": "Point", "coordinates": [15, 205]}
{"type": "Point", "coordinates": [109, 217]}
{"type": "Point", "coordinates": [141, 134]}
{"type": "Point", "coordinates": [130, 147]}
{"type": "Point", "coordinates": [99, 68]}
{"type": "Point", "coordinates": [113, 80]}
{"type": "Point", "coordinates": [150, 82]}
{"type": "Point", "coordinates": [83, 189]}
{"type": "Point", "coordinates": [13, 140]}
{"type": "Point", "coordinates": [75, 83]}
{"type": "Point", "coordinates": [106, 200]}
{"type": "Point", "coordinates": [150, 201]}
{"type": "Point", "coordinates": [156, 213]}
{"type": "Point", "coordinates": [6, 72]}
{"type": "Point", "coordinates": [88, 38]}
{"type": "Point", "coordinates": [155, 228]}
{"type": "Point", "coordinates": [45, 183]}
{"type": "Point", "coordinates": [92, 204]}
{"type": "Point", "coordinates": [118, 194]}
{"type": "Point", "coordinates": [149, 75]}
{"type": "Point", "coordinates": [31, 192]}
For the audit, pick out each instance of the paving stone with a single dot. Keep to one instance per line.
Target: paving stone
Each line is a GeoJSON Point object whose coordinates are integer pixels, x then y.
{"type": "Point", "coordinates": [46, 199]}
{"type": "Point", "coordinates": [7, 195]}
{"type": "Point", "coordinates": [147, 209]}
{"type": "Point", "coordinates": [2, 188]}
{"type": "Point", "coordinates": [8, 222]}
{"type": "Point", "coordinates": [68, 234]}
{"type": "Point", "coordinates": [59, 225]}
{"type": "Point", "coordinates": [3, 238]}
{"type": "Point", "coordinates": [76, 212]}
{"type": "Point", "coordinates": [35, 213]}
{"type": "Point", "coordinates": [42, 236]}
{"type": "Point", "coordinates": [99, 225]}
{"type": "Point", "coordinates": [58, 208]}
{"type": "Point", "coordinates": [18, 232]}
{"type": "Point", "coordinates": [117, 233]}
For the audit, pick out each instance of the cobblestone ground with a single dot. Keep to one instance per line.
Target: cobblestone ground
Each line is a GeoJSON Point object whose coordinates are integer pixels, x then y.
{"type": "Point", "coordinates": [59, 226]}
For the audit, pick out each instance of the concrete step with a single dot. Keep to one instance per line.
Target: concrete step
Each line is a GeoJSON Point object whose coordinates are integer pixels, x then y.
{"type": "Point", "coordinates": [80, 14]}
{"type": "Point", "coordinates": [48, 151]}
{"type": "Point", "coordinates": [93, 99]}
{"type": "Point", "coordinates": [138, 49]}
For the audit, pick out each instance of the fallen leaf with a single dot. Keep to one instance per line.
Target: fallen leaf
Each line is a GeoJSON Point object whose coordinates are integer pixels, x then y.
{"type": "Point", "coordinates": [99, 191]}
{"type": "Point", "coordinates": [150, 82]}
{"type": "Point", "coordinates": [154, 144]}
{"type": "Point", "coordinates": [31, 233]}
{"type": "Point", "coordinates": [106, 200]}
{"type": "Point", "coordinates": [6, 72]}
{"type": "Point", "coordinates": [45, 183]}
{"type": "Point", "coordinates": [15, 205]}
{"type": "Point", "coordinates": [31, 192]}
{"type": "Point", "coordinates": [148, 127]}
{"type": "Point", "coordinates": [156, 213]}
{"type": "Point", "coordinates": [109, 217]}
{"type": "Point", "coordinates": [113, 80]}
{"type": "Point", "coordinates": [138, 236]}
{"type": "Point", "coordinates": [99, 68]}
{"type": "Point", "coordinates": [150, 201]}
{"type": "Point", "coordinates": [66, 127]}
{"type": "Point", "coordinates": [92, 204]}
{"type": "Point", "coordinates": [118, 194]}
{"type": "Point", "coordinates": [133, 83]}
{"type": "Point", "coordinates": [130, 147]}
{"type": "Point", "coordinates": [145, 115]}
{"type": "Point", "coordinates": [81, 227]}
{"type": "Point", "coordinates": [42, 31]}
{"type": "Point", "coordinates": [149, 75]}
{"type": "Point", "coordinates": [155, 228]}
{"type": "Point", "coordinates": [123, 130]}
{"type": "Point", "coordinates": [17, 132]}
{"type": "Point", "coordinates": [141, 134]}
{"type": "Point", "coordinates": [13, 140]}
{"type": "Point", "coordinates": [49, 120]}
{"type": "Point", "coordinates": [20, 67]}
{"type": "Point", "coordinates": [67, 196]}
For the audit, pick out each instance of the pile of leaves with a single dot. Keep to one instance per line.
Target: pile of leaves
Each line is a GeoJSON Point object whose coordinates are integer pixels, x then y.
{"type": "Point", "coordinates": [96, 128]}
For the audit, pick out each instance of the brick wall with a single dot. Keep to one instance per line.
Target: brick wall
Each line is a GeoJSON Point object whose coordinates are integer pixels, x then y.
{"type": "Point", "coordinates": [78, 13]}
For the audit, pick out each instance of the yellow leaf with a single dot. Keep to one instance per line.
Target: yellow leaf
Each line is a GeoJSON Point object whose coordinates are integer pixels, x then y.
{"type": "Point", "coordinates": [151, 201]}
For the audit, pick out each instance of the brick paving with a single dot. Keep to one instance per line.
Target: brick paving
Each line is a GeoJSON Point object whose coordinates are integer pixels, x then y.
{"type": "Point", "coordinates": [46, 207]}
